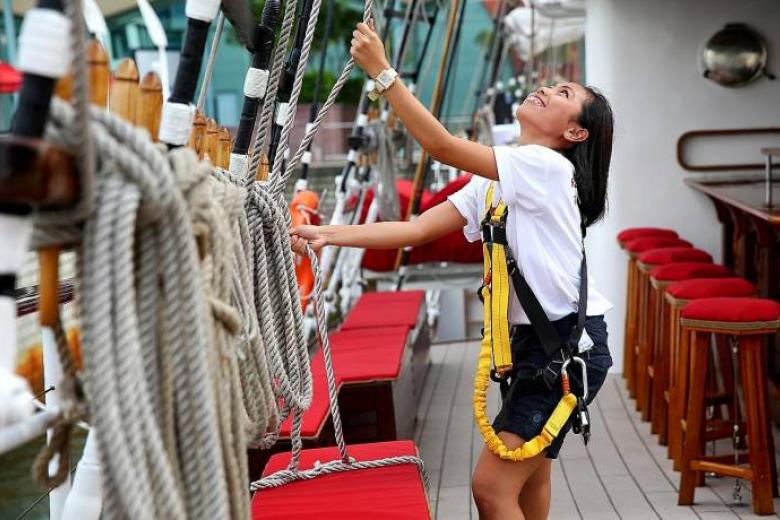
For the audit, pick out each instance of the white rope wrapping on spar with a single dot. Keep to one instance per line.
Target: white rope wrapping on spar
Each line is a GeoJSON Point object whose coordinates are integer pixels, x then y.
{"type": "Point", "coordinates": [40, 43]}
{"type": "Point", "coordinates": [176, 123]}
{"type": "Point", "coordinates": [255, 83]}
{"type": "Point", "coordinates": [346, 463]}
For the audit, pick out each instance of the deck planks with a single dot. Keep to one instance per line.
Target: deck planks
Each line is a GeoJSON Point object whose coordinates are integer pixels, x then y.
{"type": "Point", "coordinates": [622, 474]}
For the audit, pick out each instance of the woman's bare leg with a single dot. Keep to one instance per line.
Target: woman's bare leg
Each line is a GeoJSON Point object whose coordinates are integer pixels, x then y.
{"type": "Point", "coordinates": [497, 483]}
{"type": "Point", "coordinates": [535, 496]}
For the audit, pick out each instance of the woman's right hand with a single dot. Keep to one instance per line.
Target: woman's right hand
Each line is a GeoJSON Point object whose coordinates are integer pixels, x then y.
{"type": "Point", "coordinates": [302, 235]}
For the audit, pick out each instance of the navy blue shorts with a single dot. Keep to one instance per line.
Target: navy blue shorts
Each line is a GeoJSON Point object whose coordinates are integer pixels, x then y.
{"type": "Point", "coordinates": [529, 406]}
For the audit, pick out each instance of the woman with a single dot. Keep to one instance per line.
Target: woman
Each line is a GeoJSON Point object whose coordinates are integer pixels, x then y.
{"type": "Point", "coordinates": [554, 185]}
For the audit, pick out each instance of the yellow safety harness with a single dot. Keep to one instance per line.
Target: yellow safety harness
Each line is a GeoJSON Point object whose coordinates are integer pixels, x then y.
{"type": "Point", "coordinates": [496, 350]}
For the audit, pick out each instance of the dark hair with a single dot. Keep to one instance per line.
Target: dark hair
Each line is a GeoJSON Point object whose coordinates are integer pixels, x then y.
{"type": "Point", "coordinates": [591, 157]}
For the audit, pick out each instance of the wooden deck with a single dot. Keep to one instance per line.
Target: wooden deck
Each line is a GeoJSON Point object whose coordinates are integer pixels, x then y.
{"type": "Point", "coordinates": [622, 474]}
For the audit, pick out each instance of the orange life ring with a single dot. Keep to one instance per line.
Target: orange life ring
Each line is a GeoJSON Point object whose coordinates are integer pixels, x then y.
{"type": "Point", "coordinates": [303, 210]}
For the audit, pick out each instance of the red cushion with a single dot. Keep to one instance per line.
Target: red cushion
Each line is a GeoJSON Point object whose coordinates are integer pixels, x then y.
{"type": "Point", "coordinates": [385, 309]}
{"type": "Point", "coordinates": [667, 255]}
{"type": "Point", "coordinates": [403, 188]}
{"type": "Point", "coordinates": [314, 418]}
{"type": "Point", "coordinates": [632, 233]}
{"type": "Point", "coordinates": [734, 310]}
{"type": "Point", "coordinates": [711, 288]}
{"type": "Point", "coordinates": [448, 189]}
{"type": "Point", "coordinates": [686, 270]}
{"type": "Point", "coordinates": [362, 355]}
{"type": "Point", "coordinates": [385, 493]}
{"type": "Point", "coordinates": [452, 247]}
{"type": "Point", "coordinates": [639, 245]}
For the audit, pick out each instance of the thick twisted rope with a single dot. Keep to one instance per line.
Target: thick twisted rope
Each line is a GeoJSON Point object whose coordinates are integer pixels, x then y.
{"type": "Point", "coordinates": [159, 329]}
{"type": "Point", "coordinates": [255, 372]}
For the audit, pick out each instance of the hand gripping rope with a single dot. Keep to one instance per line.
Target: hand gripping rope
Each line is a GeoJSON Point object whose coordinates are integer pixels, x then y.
{"type": "Point", "coordinates": [495, 357]}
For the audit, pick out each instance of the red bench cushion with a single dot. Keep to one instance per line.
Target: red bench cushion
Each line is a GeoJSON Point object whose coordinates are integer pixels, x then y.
{"type": "Point", "coordinates": [359, 355]}
{"type": "Point", "coordinates": [732, 310]}
{"type": "Point", "coordinates": [667, 255]}
{"type": "Point", "coordinates": [391, 492]}
{"type": "Point", "coordinates": [385, 309]}
{"type": "Point", "coordinates": [630, 234]}
{"type": "Point", "coordinates": [362, 355]}
{"type": "Point", "coordinates": [452, 247]}
{"type": "Point", "coordinates": [640, 245]}
{"type": "Point", "coordinates": [711, 288]}
{"type": "Point", "coordinates": [314, 418]}
{"type": "Point", "coordinates": [687, 270]}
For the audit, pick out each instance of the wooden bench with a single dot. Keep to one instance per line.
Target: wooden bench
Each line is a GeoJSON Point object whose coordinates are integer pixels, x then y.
{"type": "Point", "coordinates": [380, 358]}
{"type": "Point", "coordinates": [401, 308]}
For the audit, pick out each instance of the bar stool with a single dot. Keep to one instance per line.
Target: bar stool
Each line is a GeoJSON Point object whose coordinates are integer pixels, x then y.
{"type": "Point", "coordinates": [678, 295]}
{"type": "Point", "coordinates": [634, 248]}
{"type": "Point", "coordinates": [623, 238]}
{"type": "Point", "coordinates": [658, 370]}
{"type": "Point", "coordinates": [646, 262]}
{"type": "Point", "coordinates": [746, 322]}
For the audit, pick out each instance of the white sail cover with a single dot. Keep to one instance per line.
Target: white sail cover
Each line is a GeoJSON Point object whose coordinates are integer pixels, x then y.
{"type": "Point", "coordinates": [555, 22]}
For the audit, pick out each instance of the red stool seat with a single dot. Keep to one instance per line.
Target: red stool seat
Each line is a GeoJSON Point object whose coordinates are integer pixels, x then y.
{"type": "Point", "coordinates": [677, 271]}
{"type": "Point", "coordinates": [640, 245]}
{"type": "Point", "coordinates": [385, 309]}
{"type": "Point", "coordinates": [667, 255]}
{"type": "Point", "coordinates": [697, 289]}
{"type": "Point", "coordinates": [732, 310]}
{"type": "Point", "coordinates": [379, 493]}
{"type": "Point", "coordinates": [630, 234]}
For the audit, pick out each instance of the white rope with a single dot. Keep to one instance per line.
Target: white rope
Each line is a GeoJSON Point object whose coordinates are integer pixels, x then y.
{"type": "Point", "coordinates": [158, 328]}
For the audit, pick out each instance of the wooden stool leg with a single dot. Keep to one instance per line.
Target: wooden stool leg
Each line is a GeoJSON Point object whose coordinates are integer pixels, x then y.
{"type": "Point", "coordinates": [660, 373]}
{"type": "Point", "coordinates": [677, 397]}
{"type": "Point", "coordinates": [753, 374]}
{"type": "Point", "coordinates": [694, 417]}
{"type": "Point", "coordinates": [647, 347]}
{"type": "Point", "coordinates": [627, 320]}
{"type": "Point", "coordinates": [629, 359]}
{"type": "Point", "coordinates": [640, 353]}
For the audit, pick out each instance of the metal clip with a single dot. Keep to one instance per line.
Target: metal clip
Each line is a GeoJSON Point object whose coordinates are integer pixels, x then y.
{"type": "Point", "coordinates": [584, 368]}
{"type": "Point", "coordinates": [581, 419]}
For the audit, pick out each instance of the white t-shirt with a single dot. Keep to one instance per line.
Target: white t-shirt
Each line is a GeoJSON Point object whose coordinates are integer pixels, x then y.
{"type": "Point", "coordinates": [543, 227]}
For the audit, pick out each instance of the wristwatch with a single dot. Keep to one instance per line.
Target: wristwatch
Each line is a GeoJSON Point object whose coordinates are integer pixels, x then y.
{"type": "Point", "coordinates": [383, 81]}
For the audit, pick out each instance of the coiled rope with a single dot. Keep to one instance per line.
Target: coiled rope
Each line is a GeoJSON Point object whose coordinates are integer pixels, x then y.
{"type": "Point", "coordinates": [161, 378]}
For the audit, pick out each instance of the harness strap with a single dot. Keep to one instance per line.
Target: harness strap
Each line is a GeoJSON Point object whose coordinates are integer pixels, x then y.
{"type": "Point", "coordinates": [499, 264]}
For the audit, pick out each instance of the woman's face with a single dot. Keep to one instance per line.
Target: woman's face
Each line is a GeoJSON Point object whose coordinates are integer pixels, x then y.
{"type": "Point", "coordinates": [553, 112]}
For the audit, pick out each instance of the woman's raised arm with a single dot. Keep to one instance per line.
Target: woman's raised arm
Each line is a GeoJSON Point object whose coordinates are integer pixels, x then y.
{"type": "Point", "coordinates": [369, 53]}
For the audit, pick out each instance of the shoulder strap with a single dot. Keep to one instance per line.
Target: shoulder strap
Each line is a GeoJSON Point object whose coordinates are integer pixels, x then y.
{"type": "Point", "coordinates": [548, 336]}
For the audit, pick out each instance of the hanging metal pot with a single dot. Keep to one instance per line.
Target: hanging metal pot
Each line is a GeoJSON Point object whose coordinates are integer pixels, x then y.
{"type": "Point", "coordinates": [735, 56]}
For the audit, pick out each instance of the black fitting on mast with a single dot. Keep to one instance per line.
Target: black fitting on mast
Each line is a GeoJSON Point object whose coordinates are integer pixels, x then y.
{"type": "Point", "coordinates": [288, 76]}
{"type": "Point", "coordinates": [263, 41]}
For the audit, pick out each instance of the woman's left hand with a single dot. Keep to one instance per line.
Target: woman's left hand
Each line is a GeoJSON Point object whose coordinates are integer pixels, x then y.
{"type": "Point", "coordinates": [368, 51]}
